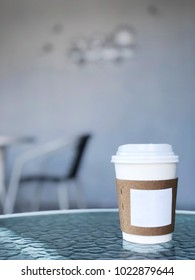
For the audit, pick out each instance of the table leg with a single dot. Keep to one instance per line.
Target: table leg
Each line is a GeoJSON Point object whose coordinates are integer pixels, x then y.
{"type": "Point", "coordinates": [2, 177]}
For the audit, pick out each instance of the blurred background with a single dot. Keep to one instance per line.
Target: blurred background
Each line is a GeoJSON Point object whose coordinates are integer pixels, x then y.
{"type": "Point", "coordinates": [122, 71]}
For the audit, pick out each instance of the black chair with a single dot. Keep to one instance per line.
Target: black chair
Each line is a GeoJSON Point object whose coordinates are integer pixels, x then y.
{"type": "Point", "coordinates": [62, 181]}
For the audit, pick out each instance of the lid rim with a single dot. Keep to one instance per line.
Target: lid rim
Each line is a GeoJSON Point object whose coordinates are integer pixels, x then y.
{"type": "Point", "coordinates": [174, 159]}
{"type": "Point", "coordinates": [145, 153]}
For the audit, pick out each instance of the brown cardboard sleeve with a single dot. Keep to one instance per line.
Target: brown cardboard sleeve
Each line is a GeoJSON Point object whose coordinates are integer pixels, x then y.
{"type": "Point", "coordinates": [123, 194]}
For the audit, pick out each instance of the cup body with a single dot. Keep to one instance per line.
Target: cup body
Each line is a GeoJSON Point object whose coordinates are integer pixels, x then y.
{"type": "Point", "coordinates": [146, 188]}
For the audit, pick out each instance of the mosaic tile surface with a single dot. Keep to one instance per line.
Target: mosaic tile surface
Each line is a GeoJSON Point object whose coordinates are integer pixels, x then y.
{"type": "Point", "coordinates": [88, 235]}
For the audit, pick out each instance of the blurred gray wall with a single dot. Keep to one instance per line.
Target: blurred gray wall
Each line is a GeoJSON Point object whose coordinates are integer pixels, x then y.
{"type": "Point", "coordinates": [150, 98]}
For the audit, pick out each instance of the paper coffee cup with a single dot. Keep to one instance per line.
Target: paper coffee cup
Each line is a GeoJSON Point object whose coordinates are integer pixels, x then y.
{"type": "Point", "coordinates": [146, 188]}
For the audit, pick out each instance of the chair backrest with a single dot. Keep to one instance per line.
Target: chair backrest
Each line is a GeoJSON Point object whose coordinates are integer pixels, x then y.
{"type": "Point", "coordinates": [80, 148]}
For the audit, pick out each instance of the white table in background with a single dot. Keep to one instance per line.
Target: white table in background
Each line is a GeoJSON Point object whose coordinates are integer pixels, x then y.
{"type": "Point", "coordinates": [5, 142]}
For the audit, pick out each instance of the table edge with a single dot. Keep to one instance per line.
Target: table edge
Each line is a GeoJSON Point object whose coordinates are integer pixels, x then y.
{"type": "Point", "coordinates": [75, 211]}
{"type": "Point", "coordinates": [54, 212]}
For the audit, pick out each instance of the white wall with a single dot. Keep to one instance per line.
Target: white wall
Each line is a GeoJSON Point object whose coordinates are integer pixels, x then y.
{"type": "Point", "coordinates": [148, 99]}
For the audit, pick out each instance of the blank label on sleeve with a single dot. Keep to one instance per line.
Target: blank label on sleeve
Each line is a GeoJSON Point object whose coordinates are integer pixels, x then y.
{"type": "Point", "coordinates": [151, 208]}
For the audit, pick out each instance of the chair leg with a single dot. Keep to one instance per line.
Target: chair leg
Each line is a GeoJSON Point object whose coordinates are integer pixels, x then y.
{"type": "Point", "coordinates": [36, 202]}
{"type": "Point", "coordinates": [81, 202]}
{"type": "Point", "coordinates": [63, 199]}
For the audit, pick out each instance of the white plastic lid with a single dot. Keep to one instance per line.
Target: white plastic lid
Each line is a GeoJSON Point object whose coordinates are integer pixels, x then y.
{"type": "Point", "coordinates": [145, 153]}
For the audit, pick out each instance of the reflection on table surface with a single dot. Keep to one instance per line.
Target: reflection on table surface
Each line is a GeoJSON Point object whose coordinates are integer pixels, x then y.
{"type": "Point", "coordinates": [86, 235]}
